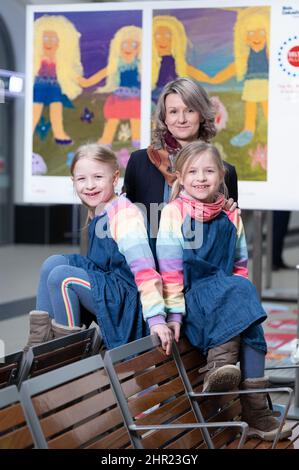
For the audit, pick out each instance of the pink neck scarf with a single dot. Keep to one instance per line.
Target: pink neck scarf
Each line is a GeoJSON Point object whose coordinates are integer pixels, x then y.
{"type": "Point", "coordinates": [202, 211]}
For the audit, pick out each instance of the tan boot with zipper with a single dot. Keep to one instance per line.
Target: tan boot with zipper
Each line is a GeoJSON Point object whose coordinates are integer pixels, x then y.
{"type": "Point", "coordinates": [40, 330]}
{"type": "Point", "coordinates": [222, 373]}
{"type": "Point", "coordinates": [256, 412]}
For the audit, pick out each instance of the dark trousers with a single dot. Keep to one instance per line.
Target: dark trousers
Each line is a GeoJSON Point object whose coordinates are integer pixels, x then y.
{"type": "Point", "coordinates": [280, 228]}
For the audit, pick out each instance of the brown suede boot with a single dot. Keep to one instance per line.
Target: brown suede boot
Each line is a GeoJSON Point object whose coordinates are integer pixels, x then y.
{"type": "Point", "coordinates": [62, 330]}
{"type": "Point", "coordinates": [223, 375]}
{"type": "Point", "coordinates": [40, 330]}
{"type": "Point", "coordinates": [256, 412]}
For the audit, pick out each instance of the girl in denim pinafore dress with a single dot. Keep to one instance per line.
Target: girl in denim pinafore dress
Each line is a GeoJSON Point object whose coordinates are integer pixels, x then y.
{"type": "Point", "coordinates": [117, 281]}
{"type": "Point", "coordinates": [202, 256]}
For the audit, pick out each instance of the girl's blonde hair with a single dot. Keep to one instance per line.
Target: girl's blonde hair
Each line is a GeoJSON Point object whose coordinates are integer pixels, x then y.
{"type": "Point", "coordinates": [188, 154]}
{"type": "Point", "coordinates": [178, 46]}
{"type": "Point", "coordinates": [195, 97]}
{"type": "Point", "coordinates": [114, 59]}
{"type": "Point", "coordinates": [97, 152]}
{"type": "Point", "coordinates": [248, 19]}
{"type": "Point", "coordinates": [68, 61]}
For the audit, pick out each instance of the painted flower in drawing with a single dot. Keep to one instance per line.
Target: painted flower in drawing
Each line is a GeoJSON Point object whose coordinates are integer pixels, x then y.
{"type": "Point", "coordinates": [259, 156]}
{"type": "Point", "coordinates": [39, 166]}
{"type": "Point", "coordinates": [221, 115]}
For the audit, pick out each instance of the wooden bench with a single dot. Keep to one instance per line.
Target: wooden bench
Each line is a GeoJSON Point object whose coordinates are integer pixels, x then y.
{"type": "Point", "coordinates": [60, 352]}
{"type": "Point", "coordinates": [174, 387]}
{"type": "Point", "coordinates": [219, 405]}
{"type": "Point", "coordinates": [156, 407]}
{"type": "Point", "coordinates": [135, 397]}
{"type": "Point", "coordinates": [74, 407]}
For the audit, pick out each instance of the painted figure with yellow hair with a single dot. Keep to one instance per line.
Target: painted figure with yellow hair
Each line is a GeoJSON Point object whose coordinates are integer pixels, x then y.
{"type": "Point", "coordinates": [251, 49]}
{"type": "Point", "coordinates": [122, 75]}
{"type": "Point", "coordinates": [57, 65]}
{"type": "Point", "coordinates": [169, 54]}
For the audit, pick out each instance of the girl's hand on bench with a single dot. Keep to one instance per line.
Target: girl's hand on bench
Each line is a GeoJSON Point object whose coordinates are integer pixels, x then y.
{"type": "Point", "coordinates": [165, 334]}
{"type": "Point", "coordinates": [175, 328]}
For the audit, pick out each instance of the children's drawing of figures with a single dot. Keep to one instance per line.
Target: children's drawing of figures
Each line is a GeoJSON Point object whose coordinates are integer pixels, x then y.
{"type": "Point", "coordinates": [122, 73]}
{"type": "Point", "coordinates": [57, 65]}
{"type": "Point", "coordinates": [251, 64]}
{"type": "Point", "coordinates": [169, 43]}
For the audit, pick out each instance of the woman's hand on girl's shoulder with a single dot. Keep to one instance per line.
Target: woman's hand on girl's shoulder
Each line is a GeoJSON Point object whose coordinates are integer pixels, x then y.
{"type": "Point", "coordinates": [230, 205]}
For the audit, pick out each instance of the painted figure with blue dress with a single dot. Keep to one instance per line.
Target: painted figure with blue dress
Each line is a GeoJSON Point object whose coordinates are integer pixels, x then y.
{"type": "Point", "coordinates": [169, 44]}
{"type": "Point", "coordinates": [123, 75]}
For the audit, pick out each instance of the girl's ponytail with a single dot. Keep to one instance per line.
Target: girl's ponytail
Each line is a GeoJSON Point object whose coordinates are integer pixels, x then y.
{"type": "Point", "coordinates": [176, 188]}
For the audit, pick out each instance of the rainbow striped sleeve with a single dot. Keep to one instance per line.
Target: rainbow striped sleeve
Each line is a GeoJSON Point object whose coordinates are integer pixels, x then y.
{"type": "Point", "coordinates": [170, 245]}
{"type": "Point", "coordinates": [241, 253]}
{"type": "Point", "coordinates": [128, 230]}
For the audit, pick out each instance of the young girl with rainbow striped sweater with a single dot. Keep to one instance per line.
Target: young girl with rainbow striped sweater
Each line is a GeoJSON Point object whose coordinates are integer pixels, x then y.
{"type": "Point", "coordinates": [117, 281]}
{"type": "Point", "coordinates": [202, 257]}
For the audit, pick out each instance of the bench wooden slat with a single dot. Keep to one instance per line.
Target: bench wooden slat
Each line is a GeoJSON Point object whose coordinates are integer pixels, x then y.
{"type": "Point", "coordinates": [165, 412]}
{"type": "Point", "coordinates": [17, 439]}
{"type": "Point", "coordinates": [157, 439]}
{"type": "Point", "coordinates": [11, 416]}
{"type": "Point", "coordinates": [149, 378]}
{"type": "Point", "coordinates": [76, 407]}
{"type": "Point", "coordinates": [59, 357]}
{"type": "Point", "coordinates": [140, 363]}
{"type": "Point", "coordinates": [155, 397]}
{"type": "Point", "coordinates": [114, 440]}
{"type": "Point", "coordinates": [57, 397]}
{"type": "Point", "coordinates": [76, 413]}
{"type": "Point", "coordinates": [90, 430]}
{"type": "Point", "coordinates": [14, 432]}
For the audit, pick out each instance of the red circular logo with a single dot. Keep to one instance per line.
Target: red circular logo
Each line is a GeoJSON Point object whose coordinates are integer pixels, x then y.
{"type": "Point", "coordinates": [293, 56]}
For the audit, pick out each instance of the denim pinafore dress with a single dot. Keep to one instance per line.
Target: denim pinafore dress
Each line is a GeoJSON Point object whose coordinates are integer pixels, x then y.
{"type": "Point", "coordinates": [115, 295]}
{"type": "Point", "coordinates": [219, 305]}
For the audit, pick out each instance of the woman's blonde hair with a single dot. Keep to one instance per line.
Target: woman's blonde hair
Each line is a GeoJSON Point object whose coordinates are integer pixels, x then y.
{"type": "Point", "coordinates": [178, 46]}
{"type": "Point", "coordinates": [195, 97]}
{"type": "Point", "coordinates": [97, 152]}
{"type": "Point", "coordinates": [68, 61]}
{"type": "Point", "coordinates": [248, 19]}
{"type": "Point", "coordinates": [188, 154]}
{"type": "Point", "coordinates": [114, 59]}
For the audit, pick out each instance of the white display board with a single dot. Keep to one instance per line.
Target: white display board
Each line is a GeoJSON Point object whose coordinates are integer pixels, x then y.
{"type": "Point", "coordinates": [256, 97]}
